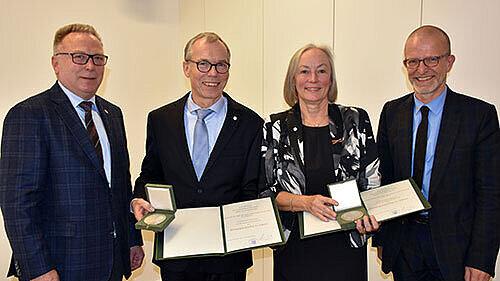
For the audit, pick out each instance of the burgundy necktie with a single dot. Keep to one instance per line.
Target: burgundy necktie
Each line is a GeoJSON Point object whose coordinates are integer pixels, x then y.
{"type": "Point", "coordinates": [91, 129]}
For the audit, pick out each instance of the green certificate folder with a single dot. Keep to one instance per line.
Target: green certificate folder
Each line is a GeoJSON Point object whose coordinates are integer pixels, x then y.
{"type": "Point", "coordinates": [385, 203]}
{"type": "Point", "coordinates": [218, 231]}
{"type": "Point", "coordinates": [162, 199]}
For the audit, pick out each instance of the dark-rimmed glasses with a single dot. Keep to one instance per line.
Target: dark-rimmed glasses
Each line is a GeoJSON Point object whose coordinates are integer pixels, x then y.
{"type": "Point", "coordinates": [205, 66]}
{"type": "Point", "coordinates": [82, 58]}
{"type": "Point", "coordinates": [428, 61]}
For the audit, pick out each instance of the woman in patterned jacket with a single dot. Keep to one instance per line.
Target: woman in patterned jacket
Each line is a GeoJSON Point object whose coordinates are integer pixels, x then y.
{"type": "Point", "coordinates": [314, 143]}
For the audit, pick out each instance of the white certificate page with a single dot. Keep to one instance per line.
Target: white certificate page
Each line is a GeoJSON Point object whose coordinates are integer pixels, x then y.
{"type": "Point", "coordinates": [392, 200]}
{"type": "Point", "coordinates": [313, 225]}
{"type": "Point", "coordinates": [194, 231]}
{"type": "Point", "coordinates": [250, 224]}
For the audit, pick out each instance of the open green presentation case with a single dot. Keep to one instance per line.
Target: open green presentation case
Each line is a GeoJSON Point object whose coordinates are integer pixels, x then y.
{"type": "Point", "coordinates": [162, 199]}
{"type": "Point", "coordinates": [221, 230]}
{"type": "Point", "coordinates": [385, 203]}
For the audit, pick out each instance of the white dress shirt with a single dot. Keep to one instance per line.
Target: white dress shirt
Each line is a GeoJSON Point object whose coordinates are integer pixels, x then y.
{"type": "Point", "coordinates": [96, 115]}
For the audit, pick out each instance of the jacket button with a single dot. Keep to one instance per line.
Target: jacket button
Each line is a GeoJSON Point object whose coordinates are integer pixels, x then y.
{"type": "Point", "coordinates": [199, 190]}
{"type": "Point", "coordinates": [18, 270]}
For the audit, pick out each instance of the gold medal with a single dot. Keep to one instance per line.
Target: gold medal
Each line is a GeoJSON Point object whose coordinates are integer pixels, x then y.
{"type": "Point", "coordinates": [155, 219]}
{"type": "Point", "coordinates": [351, 216]}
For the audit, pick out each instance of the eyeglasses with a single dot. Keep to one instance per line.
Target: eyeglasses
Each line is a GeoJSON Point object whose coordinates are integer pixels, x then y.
{"type": "Point", "coordinates": [205, 66]}
{"type": "Point", "coordinates": [428, 61]}
{"type": "Point", "coordinates": [82, 58]}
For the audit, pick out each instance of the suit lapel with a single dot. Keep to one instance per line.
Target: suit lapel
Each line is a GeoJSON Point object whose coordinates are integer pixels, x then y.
{"type": "Point", "coordinates": [404, 118]}
{"type": "Point", "coordinates": [180, 136]}
{"type": "Point", "coordinates": [228, 128]}
{"type": "Point", "coordinates": [70, 118]}
{"type": "Point", "coordinates": [448, 133]}
{"type": "Point", "coordinates": [107, 120]}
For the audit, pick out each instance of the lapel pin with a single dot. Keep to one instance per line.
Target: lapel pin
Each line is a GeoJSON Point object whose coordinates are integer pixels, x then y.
{"type": "Point", "coordinates": [235, 118]}
{"type": "Point", "coordinates": [106, 111]}
{"type": "Point", "coordinates": [294, 129]}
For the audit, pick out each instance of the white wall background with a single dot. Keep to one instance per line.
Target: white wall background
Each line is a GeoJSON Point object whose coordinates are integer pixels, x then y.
{"type": "Point", "coordinates": [145, 38]}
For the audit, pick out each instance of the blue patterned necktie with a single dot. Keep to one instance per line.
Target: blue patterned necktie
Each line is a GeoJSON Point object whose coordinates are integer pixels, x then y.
{"type": "Point", "coordinates": [200, 146]}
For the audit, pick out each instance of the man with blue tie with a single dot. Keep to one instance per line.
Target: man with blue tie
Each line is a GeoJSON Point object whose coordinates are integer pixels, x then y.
{"type": "Point", "coordinates": [206, 145]}
{"type": "Point", "coordinates": [449, 144]}
{"type": "Point", "coordinates": [65, 183]}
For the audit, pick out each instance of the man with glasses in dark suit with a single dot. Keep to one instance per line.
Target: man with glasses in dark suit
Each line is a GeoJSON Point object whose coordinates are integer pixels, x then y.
{"type": "Point", "coordinates": [206, 145]}
{"type": "Point", "coordinates": [449, 144]}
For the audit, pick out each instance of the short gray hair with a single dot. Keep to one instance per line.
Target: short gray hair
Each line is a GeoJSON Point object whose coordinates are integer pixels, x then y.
{"type": "Point", "coordinates": [211, 37]}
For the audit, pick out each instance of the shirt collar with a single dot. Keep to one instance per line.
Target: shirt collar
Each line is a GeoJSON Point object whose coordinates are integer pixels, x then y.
{"type": "Point", "coordinates": [75, 99]}
{"type": "Point", "coordinates": [217, 107]}
{"type": "Point", "coordinates": [435, 106]}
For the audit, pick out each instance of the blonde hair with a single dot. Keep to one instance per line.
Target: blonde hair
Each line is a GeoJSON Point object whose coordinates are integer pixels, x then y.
{"type": "Point", "coordinates": [290, 91]}
{"type": "Point", "coordinates": [70, 28]}
{"type": "Point", "coordinates": [211, 37]}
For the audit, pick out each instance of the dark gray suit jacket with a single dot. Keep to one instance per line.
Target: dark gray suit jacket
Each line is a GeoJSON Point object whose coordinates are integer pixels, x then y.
{"type": "Point", "coordinates": [464, 187]}
{"type": "Point", "coordinates": [57, 206]}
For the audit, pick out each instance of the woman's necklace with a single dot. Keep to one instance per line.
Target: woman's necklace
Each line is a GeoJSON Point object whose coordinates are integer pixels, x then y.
{"type": "Point", "coordinates": [317, 123]}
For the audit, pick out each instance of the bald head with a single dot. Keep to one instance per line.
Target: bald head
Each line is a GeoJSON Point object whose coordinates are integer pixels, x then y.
{"type": "Point", "coordinates": [427, 34]}
{"type": "Point", "coordinates": [428, 47]}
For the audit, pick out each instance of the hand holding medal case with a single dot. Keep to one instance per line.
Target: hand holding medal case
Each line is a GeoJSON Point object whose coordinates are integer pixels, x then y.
{"type": "Point", "coordinates": [161, 197]}
{"type": "Point", "coordinates": [350, 207]}
{"type": "Point", "coordinates": [384, 203]}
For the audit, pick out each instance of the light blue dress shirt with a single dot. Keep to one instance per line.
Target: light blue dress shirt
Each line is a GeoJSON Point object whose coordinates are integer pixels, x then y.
{"type": "Point", "coordinates": [214, 121]}
{"type": "Point", "coordinates": [96, 115]}
{"type": "Point", "coordinates": [435, 113]}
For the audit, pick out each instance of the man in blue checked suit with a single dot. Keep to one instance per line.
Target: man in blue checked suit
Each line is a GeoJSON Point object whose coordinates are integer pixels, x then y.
{"type": "Point", "coordinates": [64, 174]}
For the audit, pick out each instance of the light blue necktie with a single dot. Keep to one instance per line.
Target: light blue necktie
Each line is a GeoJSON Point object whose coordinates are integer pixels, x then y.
{"type": "Point", "coordinates": [200, 146]}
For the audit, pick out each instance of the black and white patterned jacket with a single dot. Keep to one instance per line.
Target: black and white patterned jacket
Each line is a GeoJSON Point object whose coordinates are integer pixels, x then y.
{"type": "Point", "coordinates": [354, 155]}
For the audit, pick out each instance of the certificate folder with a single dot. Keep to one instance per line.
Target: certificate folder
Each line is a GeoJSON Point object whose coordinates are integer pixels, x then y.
{"type": "Point", "coordinates": [385, 203]}
{"type": "Point", "coordinates": [222, 230]}
{"type": "Point", "coordinates": [162, 199]}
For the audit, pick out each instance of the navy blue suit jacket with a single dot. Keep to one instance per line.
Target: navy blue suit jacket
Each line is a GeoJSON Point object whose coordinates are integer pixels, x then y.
{"type": "Point", "coordinates": [56, 202]}
{"type": "Point", "coordinates": [464, 187]}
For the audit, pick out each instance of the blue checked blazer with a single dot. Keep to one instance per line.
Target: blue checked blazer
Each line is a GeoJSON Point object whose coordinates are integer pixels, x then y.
{"type": "Point", "coordinates": [56, 203]}
{"type": "Point", "coordinates": [464, 187]}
